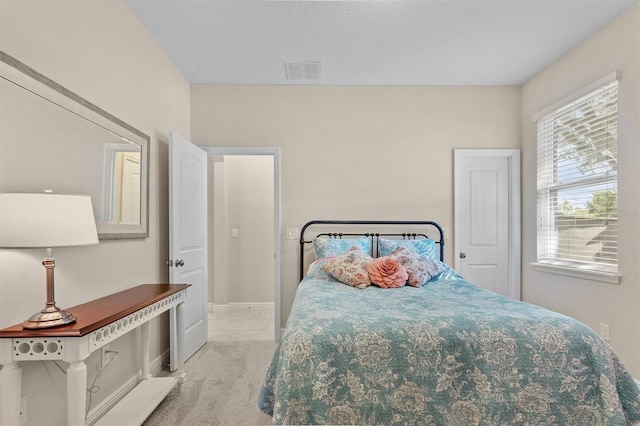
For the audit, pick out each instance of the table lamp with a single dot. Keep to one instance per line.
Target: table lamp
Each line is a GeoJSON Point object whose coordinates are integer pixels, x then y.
{"type": "Point", "coordinates": [46, 221]}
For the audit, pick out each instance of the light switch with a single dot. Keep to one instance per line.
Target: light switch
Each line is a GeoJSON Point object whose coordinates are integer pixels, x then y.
{"type": "Point", "coordinates": [234, 233]}
{"type": "Point", "coordinates": [291, 233]}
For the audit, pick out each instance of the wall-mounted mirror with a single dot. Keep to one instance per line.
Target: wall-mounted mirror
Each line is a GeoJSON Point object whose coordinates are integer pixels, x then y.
{"type": "Point", "coordinates": [52, 139]}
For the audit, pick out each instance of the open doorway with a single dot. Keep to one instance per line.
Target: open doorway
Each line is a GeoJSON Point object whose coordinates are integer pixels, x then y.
{"type": "Point", "coordinates": [244, 243]}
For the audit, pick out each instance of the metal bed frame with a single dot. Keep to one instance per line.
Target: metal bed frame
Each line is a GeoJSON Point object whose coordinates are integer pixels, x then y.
{"type": "Point", "coordinates": [374, 236]}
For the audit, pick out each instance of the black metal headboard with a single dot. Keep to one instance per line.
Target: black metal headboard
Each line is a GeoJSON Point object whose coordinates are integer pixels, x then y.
{"type": "Point", "coordinates": [373, 235]}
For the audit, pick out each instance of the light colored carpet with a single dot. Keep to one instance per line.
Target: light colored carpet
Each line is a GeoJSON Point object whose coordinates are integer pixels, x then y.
{"type": "Point", "coordinates": [223, 380]}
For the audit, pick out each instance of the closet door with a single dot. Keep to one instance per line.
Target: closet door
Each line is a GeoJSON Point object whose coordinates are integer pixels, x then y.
{"type": "Point", "coordinates": [487, 218]}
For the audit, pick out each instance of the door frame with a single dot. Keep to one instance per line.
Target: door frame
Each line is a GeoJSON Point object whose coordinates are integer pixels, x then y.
{"type": "Point", "coordinates": [275, 153]}
{"type": "Point", "coordinates": [513, 157]}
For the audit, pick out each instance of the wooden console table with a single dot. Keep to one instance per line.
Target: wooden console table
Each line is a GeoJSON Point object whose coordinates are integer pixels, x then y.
{"type": "Point", "coordinates": [98, 323]}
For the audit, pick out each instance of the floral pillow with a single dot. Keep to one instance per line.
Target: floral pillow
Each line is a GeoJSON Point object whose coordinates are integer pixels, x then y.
{"type": "Point", "coordinates": [426, 247]}
{"type": "Point", "coordinates": [420, 269]}
{"type": "Point", "coordinates": [350, 268]}
{"type": "Point", "coordinates": [325, 247]}
{"type": "Point", "coordinates": [387, 273]}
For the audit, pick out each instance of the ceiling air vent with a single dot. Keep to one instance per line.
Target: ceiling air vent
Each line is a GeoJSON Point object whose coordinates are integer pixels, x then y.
{"type": "Point", "coordinates": [304, 70]}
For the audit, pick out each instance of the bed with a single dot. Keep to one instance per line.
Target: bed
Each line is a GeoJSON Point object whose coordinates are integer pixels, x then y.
{"type": "Point", "coordinates": [445, 353]}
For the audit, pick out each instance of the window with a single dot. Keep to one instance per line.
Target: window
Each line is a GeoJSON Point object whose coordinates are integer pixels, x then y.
{"type": "Point", "coordinates": [577, 181]}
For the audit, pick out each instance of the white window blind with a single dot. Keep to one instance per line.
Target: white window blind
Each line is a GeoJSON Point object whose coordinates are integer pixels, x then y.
{"type": "Point", "coordinates": [578, 184]}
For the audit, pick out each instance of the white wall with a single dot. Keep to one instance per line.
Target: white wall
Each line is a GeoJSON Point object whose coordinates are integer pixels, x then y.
{"type": "Point", "coordinates": [100, 51]}
{"type": "Point", "coordinates": [242, 199]}
{"type": "Point", "coordinates": [249, 180]}
{"type": "Point", "coordinates": [358, 152]}
{"type": "Point", "coordinates": [218, 232]}
{"type": "Point", "coordinates": [616, 47]}
{"type": "Point", "coordinates": [42, 134]}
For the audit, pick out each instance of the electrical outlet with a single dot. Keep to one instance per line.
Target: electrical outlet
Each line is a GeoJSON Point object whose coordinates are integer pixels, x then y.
{"type": "Point", "coordinates": [23, 410]}
{"type": "Point", "coordinates": [104, 354]}
{"type": "Point", "coordinates": [605, 331]}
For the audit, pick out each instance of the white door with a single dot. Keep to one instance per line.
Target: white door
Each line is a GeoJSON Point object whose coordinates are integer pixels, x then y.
{"type": "Point", "coordinates": [487, 218]}
{"type": "Point", "coordinates": [188, 236]}
{"type": "Point", "coordinates": [130, 197]}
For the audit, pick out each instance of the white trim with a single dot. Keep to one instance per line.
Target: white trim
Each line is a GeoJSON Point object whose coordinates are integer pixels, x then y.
{"type": "Point", "coordinates": [513, 155]}
{"type": "Point", "coordinates": [275, 152]}
{"type": "Point", "coordinates": [221, 309]}
{"type": "Point", "coordinates": [240, 306]}
{"type": "Point", "coordinates": [249, 305]}
{"type": "Point", "coordinates": [239, 150]}
{"type": "Point", "coordinates": [607, 277]}
{"type": "Point", "coordinates": [609, 78]}
{"type": "Point", "coordinates": [109, 402]}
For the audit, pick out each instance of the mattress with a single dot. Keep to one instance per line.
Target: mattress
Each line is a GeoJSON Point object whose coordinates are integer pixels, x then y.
{"type": "Point", "coordinates": [445, 353]}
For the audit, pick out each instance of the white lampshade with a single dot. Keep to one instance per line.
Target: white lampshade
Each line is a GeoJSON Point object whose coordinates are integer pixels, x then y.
{"type": "Point", "coordinates": [46, 220]}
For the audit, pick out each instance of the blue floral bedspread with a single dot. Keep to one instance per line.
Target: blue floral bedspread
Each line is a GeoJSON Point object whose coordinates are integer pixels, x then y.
{"type": "Point", "coordinates": [448, 353]}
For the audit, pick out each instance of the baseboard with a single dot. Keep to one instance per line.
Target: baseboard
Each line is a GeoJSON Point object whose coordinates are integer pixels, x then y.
{"type": "Point", "coordinates": [155, 367]}
{"type": "Point", "coordinates": [101, 409]}
{"type": "Point", "coordinates": [240, 306]}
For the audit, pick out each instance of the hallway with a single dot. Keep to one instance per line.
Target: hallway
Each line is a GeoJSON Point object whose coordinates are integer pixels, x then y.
{"type": "Point", "coordinates": [241, 323]}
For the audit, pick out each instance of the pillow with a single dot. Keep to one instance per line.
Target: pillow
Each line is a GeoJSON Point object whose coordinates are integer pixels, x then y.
{"type": "Point", "coordinates": [315, 271]}
{"type": "Point", "coordinates": [420, 269]}
{"type": "Point", "coordinates": [325, 247]}
{"type": "Point", "coordinates": [317, 262]}
{"type": "Point", "coordinates": [387, 273]}
{"type": "Point", "coordinates": [350, 268]}
{"type": "Point", "coordinates": [426, 247]}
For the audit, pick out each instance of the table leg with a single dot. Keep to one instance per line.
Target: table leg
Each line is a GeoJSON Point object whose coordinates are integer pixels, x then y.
{"type": "Point", "coordinates": [76, 393]}
{"type": "Point", "coordinates": [10, 393]}
{"type": "Point", "coordinates": [173, 344]}
{"type": "Point", "coordinates": [180, 327]}
{"type": "Point", "coordinates": [146, 342]}
{"type": "Point", "coordinates": [176, 338]}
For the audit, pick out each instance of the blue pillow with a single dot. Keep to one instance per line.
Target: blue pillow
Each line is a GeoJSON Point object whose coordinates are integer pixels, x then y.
{"type": "Point", "coordinates": [336, 246]}
{"type": "Point", "coordinates": [425, 247]}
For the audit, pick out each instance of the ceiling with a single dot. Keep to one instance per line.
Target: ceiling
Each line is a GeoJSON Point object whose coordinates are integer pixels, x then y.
{"type": "Point", "coordinates": [394, 42]}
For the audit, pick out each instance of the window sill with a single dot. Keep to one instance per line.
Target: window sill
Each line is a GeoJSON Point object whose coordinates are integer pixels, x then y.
{"type": "Point", "coordinates": [607, 277]}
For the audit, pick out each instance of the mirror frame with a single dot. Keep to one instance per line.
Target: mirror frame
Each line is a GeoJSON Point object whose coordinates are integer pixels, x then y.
{"type": "Point", "coordinates": [22, 75]}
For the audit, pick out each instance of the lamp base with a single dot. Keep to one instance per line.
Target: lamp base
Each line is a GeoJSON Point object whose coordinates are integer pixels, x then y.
{"type": "Point", "coordinates": [49, 317]}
